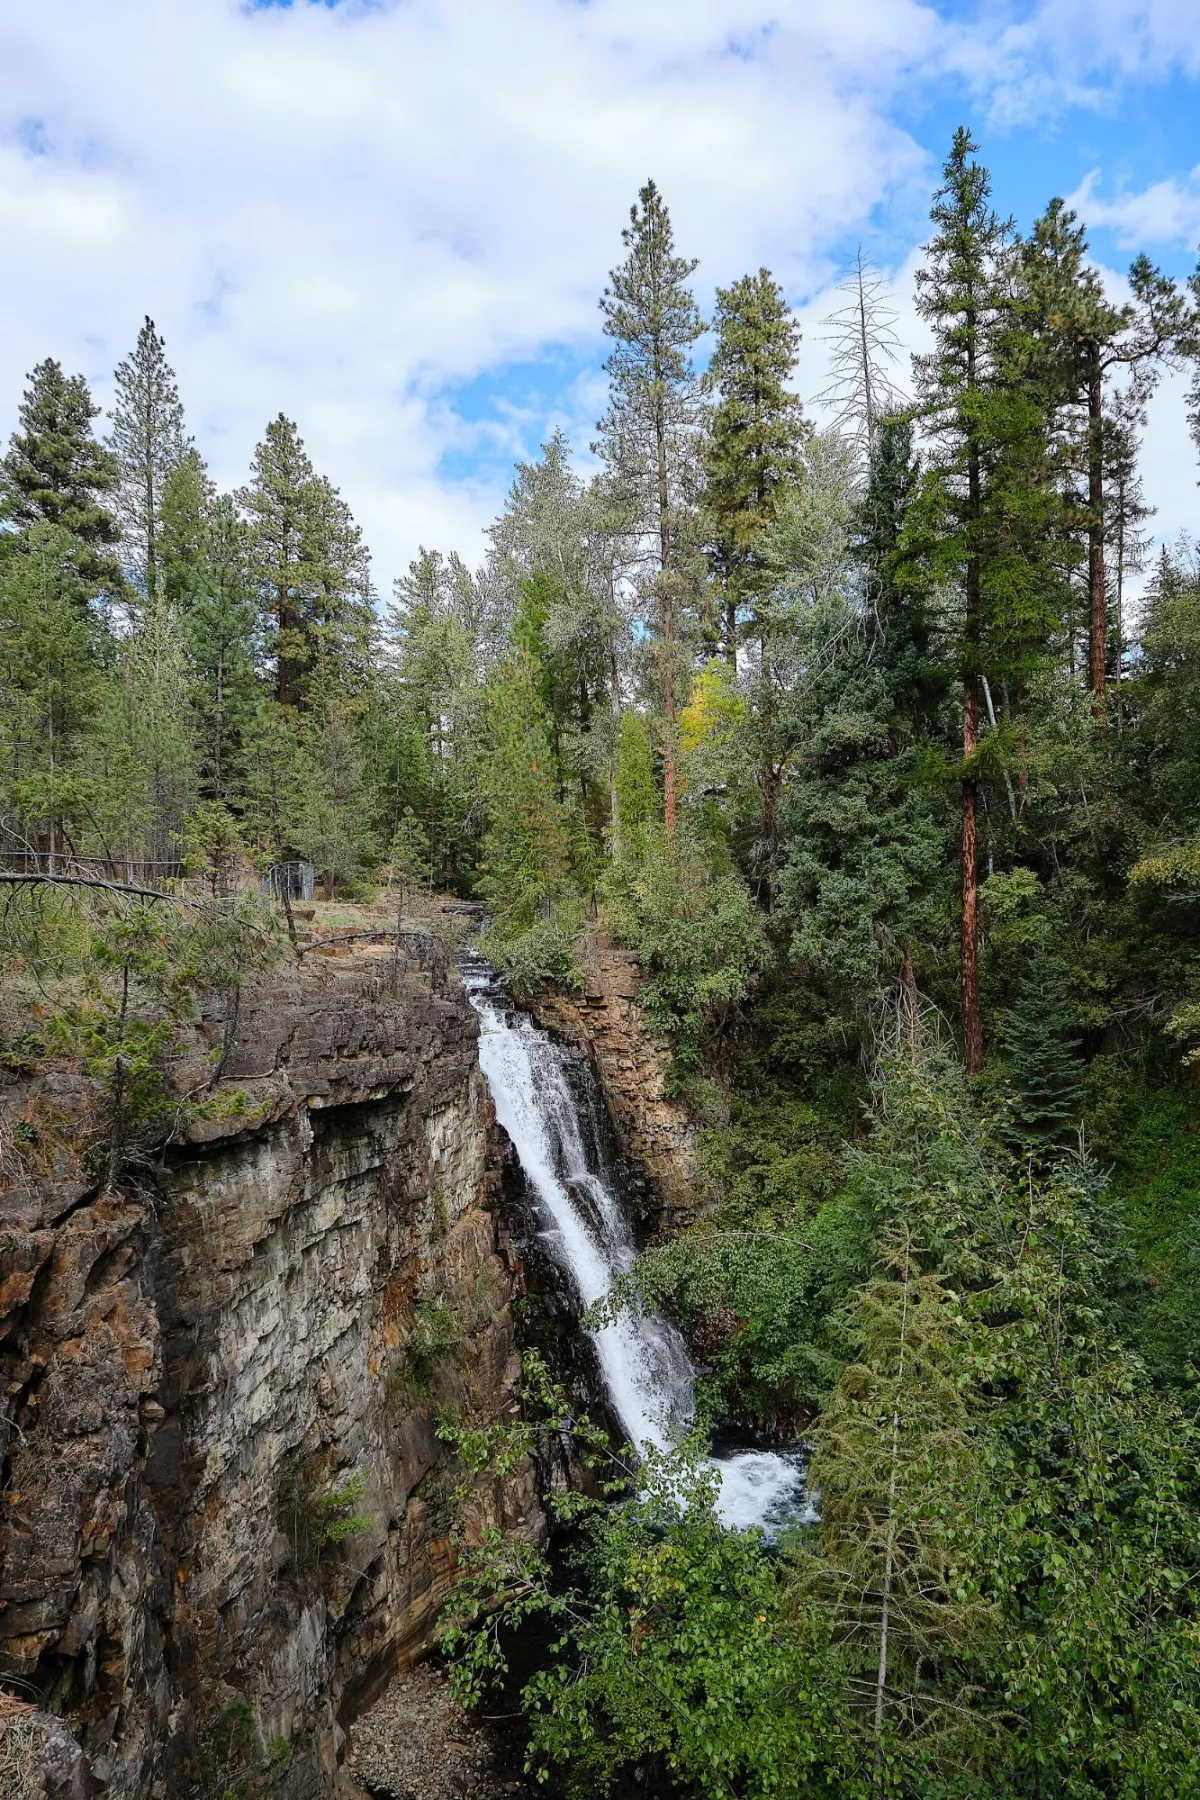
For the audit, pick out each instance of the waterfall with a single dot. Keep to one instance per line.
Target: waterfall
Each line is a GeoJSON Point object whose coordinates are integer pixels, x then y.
{"type": "Point", "coordinates": [642, 1358]}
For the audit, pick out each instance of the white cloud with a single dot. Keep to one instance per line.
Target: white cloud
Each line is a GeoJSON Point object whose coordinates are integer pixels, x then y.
{"type": "Point", "coordinates": [1165, 213]}
{"type": "Point", "coordinates": [344, 213]}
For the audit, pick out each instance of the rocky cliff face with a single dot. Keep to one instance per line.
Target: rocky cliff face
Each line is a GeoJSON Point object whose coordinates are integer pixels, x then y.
{"type": "Point", "coordinates": [604, 1020]}
{"type": "Point", "coordinates": [222, 1484]}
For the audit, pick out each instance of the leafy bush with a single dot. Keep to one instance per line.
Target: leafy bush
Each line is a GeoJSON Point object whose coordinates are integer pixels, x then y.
{"type": "Point", "coordinates": [535, 958]}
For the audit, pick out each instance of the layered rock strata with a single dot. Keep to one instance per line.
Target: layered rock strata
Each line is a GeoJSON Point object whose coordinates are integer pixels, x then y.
{"type": "Point", "coordinates": [632, 1064]}
{"type": "Point", "coordinates": [226, 1516]}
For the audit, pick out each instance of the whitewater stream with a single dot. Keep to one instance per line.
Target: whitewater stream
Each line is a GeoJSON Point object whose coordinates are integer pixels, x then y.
{"type": "Point", "coordinates": [587, 1234]}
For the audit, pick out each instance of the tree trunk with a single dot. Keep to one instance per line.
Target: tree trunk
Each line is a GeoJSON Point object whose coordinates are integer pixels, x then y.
{"type": "Point", "coordinates": [668, 615]}
{"type": "Point", "coordinates": [972, 1028]}
{"type": "Point", "coordinates": [1097, 585]}
{"type": "Point", "coordinates": [668, 621]}
{"type": "Point", "coordinates": [912, 1003]}
{"type": "Point", "coordinates": [614, 688]}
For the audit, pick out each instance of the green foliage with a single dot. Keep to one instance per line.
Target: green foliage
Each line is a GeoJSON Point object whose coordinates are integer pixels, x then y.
{"type": "Point", "coordinates": [637, 791]}
{"type": "Point", "coordinates": [234, 1764]}
{"type": "Point", "coordinates": [55, 473]}
{"type": "Point", "coordinates": [753, 451]}
{"type": "Point", "coordinates": [696, 931]}
{"type": "Point", "coordinates": [1042, 1049]}
{"type": "Point", "coordinates": [541, 956]}
{"type": "Point", "coordinates": [318, 1520]}
{"type": "Point", "coordinates": [526, 863]}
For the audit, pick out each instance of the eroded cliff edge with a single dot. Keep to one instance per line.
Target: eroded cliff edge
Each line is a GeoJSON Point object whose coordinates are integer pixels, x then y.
{"type": "Point", "coordinates": [603, 1019]}
{"type": "Point", "coordinates": [198, 1363]}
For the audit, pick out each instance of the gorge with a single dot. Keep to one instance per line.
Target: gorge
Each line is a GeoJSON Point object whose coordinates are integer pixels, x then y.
{"type": "Point", "coordinates": [226, 1498]}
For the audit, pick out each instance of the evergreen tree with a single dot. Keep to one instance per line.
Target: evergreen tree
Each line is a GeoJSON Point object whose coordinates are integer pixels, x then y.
{"type": "Point", "coordinates": [526, 842]}
{"type": "Point", "coordinates": [206, 574]}
{"type": "Point", "coordinates": [56, 472]}
{"type": "Point", "coordinates": [50, 682]}
{"type": "Point", "coordinates": [649, 435]}
{"type": "Point", "coordinates": [310, 566]}
{"type": "Point", "coordinates": [753, 450]}
{"type": "Point", "coordinates": [146, 761]}
{"type": "Point", "coordinates": [1086, 338]}
{"type": "Point", "coordinates": [1041, 1045]}
{"type": "Point", "coordinates": [957, 291]}
{"type": "Point", "coordinates": [148, 441]}
{"type": "Point", "coordinates": [898, 1475]}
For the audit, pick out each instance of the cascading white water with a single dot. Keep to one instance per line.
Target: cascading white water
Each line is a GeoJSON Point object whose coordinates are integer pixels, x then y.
{"type": "Point", "coordinates": [642, 1359]}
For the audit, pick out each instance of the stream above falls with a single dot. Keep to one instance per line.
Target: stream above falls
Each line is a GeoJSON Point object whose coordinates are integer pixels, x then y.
{"type": "Point", "coordinates": [555, 1127]}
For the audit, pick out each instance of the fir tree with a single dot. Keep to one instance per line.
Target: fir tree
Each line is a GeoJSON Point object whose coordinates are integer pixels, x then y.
{"type": "Point", "coordinates": [753, 451]}
{"type": "Point", "coordinates": [55, 471]}
{"type": "Point", "coordinates": [648, 436]}
{"type": "Point", "coordinates": [1042, 1052]}
{"type": "Point", "coordinates": [148, 441]}
{"type": "Point", "coordinates": [526, 842]}
{"type": "Point", "coordinates": [897, 1471]}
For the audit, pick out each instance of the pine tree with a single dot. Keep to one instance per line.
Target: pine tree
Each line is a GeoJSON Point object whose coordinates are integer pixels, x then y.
{"type": "Point", "coordinates": [206, 574]}
{"type": "Point", "coordinates": [526, 842]}
{"type": "Point", "coordinates": [753, 452]}
{"type": "Point", "coordinates": [648, 436]}
{"type": "Point", "coordinates": [148, 441]}
{"type": "Point", "coordinates": [310, 565]}
{"type": "Point", "coordinates": [957, 292]}
{"type": "Point", "coordinates": [1086, 338]}
{"type": "Point", "coordinates": [56, 471]}
{"type": "Point", "coordinates": [50, 681]}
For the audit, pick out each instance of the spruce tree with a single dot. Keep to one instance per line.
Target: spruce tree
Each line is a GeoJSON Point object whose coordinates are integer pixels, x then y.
{"type": "Point", "coordinates": [148, 441]}
{"type": "Point", "coordinates": [649, 435]}
{"type": "Point", "coordinates": [55, 471]}
{"type": "Point", "coordinates": [753, 452]}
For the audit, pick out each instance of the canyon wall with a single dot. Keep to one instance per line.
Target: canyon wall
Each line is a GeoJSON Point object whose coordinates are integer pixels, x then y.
{"type": "Point", "coordinates": [222, 1484]}
{"type": "Point", "coordinates": [654, 1132]}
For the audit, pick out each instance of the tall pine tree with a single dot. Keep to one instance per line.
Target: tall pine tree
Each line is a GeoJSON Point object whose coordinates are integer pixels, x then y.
{"type": "Point", "coordinates": [310, 565]}
{"type": "Point", "coordinates": [957, 293]}
{"type": "Point", "coordinates": [148, 441]}
{"type": "Point", "coordinates": [55, 471]}
{"type": "Point", "coordinates": [649, 435]}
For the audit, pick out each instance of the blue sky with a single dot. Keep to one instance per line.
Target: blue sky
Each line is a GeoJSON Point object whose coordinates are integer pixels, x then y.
{"type": "Point", "coordinates": [392, 220]}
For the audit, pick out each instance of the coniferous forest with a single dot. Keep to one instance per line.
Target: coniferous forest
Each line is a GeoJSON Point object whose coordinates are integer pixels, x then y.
{"type": "Point", "coordinates": [879, 744]}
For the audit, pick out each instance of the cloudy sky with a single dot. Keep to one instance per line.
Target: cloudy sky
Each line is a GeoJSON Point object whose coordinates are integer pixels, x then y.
{"type": "Point", "coordinates": [391, 219]}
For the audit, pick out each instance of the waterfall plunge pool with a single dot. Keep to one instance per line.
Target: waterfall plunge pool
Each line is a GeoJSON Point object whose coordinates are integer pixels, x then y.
{"type": "Point", "coordinates": [587, 1232]}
